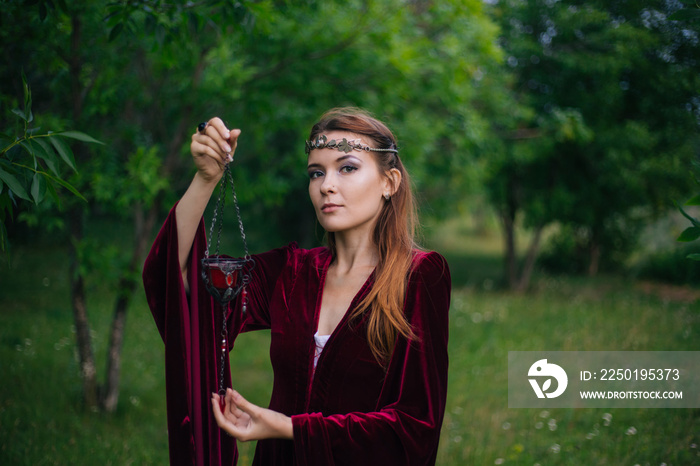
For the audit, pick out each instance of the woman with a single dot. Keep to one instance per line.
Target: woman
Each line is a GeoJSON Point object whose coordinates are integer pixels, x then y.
{"type": "Point", "coordinates": [358, 328]}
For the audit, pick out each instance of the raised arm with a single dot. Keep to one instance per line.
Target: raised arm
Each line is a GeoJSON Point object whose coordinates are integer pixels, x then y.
{"type": "Point", "coordinates": [211, 149]}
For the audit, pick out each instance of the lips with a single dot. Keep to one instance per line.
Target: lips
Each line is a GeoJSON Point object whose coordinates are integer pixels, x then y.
{"type": "Point", "coordinates": [327, 208]}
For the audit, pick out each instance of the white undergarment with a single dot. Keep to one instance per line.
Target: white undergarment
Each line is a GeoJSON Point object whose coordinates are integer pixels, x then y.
{"type": "Point", "coordinates": [321, 341]}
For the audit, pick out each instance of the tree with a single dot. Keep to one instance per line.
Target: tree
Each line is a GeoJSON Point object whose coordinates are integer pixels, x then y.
{"type": "Point", "coordinates": [690, 13]}
{"type": "Point", "coordinates": [691, 233]}
{"type": "Point", "coordinates": [31, 164]}
{"type": "Point", "coordinates": [143, 82]}
{"type": "Point", "coordinates": [82, 70]}
{"type": "Point", "coordinates": [610, 90]}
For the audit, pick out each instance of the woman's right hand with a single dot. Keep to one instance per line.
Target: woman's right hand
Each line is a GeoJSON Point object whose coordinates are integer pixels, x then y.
{"type": "Point", "coordinates": [213, 148]}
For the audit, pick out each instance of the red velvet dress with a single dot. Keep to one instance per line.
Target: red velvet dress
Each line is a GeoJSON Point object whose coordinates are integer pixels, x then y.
{"type": "Point", "coordinates": [349, 411]}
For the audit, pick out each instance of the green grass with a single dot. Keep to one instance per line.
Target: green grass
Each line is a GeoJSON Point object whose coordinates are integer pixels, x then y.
{"type": "Point", "coordinates": [41, 415]}
{"type": "Point", "coordinates": [562, 315]}
{"type": "Point", "coordinates": [42, 420]}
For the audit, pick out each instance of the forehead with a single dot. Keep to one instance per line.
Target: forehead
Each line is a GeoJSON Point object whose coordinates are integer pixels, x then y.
{"type": "Point", "coordinates": [325, 155]}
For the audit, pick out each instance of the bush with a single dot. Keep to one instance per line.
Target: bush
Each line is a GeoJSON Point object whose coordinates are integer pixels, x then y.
{"type": "Point", "coordinates": [672, 266]}
{"type": "Point", "coordinates": [568, 250]}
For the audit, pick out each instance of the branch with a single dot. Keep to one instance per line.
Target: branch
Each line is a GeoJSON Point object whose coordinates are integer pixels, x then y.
{"type": "Point", "coordinates": [315, 56]}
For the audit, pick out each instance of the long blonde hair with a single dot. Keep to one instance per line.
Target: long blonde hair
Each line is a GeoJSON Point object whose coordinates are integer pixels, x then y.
{"type": "Point", "coordinates": [394, 234]}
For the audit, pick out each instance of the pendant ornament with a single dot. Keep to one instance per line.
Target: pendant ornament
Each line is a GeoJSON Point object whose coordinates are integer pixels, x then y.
{"type": "Point", "coordinates": [225, 277]}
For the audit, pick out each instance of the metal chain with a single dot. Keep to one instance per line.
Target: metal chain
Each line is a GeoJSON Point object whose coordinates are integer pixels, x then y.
{"type": "Point", "coordinates": [224, 350]}
{"type": "Point", "coordinates": [218, 217]}
{"type": "Point", "coordinates": [219, 214]}
{"type": "Point", "coordinates": [245, 277]}
{"type": "Point", "coordinates": [220, 201]}
{"type": "Point", "coordinates": [238, 214]}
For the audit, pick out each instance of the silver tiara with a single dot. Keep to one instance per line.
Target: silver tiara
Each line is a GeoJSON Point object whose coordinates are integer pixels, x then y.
{"type": "Point", "coordinates": [345, 145]}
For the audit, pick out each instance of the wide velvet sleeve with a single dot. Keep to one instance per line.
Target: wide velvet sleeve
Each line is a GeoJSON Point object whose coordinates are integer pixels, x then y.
{"type": "Point", "coordinates": [189, 324]}
{"type": "Point", "coordinates": [405, 428]}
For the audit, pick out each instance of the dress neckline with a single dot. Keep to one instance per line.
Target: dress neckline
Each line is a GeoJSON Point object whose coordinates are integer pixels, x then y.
{"type": "Point", "coordinates": [313, 364]}
{"type": "Point", "coordinates": [353, 303]}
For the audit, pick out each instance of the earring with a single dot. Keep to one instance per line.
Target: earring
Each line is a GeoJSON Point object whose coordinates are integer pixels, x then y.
{"type": "Point", "coordinates": [387, 196]}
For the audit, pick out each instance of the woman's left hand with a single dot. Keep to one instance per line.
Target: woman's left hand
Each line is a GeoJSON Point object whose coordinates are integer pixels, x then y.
{"type": "Point", "coordinates": [246, 421]}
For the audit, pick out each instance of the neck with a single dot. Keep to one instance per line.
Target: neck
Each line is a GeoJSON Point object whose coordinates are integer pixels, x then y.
{"type": "Point", "coordinates": [354, 251]}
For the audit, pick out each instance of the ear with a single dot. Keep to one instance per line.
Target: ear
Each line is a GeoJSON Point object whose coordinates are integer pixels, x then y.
{"type": "Point", "coordinates": [392, 181]}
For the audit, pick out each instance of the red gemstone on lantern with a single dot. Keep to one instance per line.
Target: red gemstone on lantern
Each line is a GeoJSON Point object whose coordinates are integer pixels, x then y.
{"type": "Point", "coordinates": [220, 275]}
{"type": "Point", "coordinates": [222, 280]}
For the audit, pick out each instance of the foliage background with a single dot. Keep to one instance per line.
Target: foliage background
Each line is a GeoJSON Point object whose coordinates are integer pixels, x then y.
{"type": "Point", "coordinates": [547, 140]}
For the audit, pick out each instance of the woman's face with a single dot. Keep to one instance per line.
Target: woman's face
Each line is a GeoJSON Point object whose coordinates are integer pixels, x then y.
{"type": "Point", "coordinates": [346, 189]}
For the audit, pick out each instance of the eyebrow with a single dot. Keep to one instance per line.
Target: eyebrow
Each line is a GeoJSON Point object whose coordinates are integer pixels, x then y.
{"type": "Point", "coordinates": [338, 160]}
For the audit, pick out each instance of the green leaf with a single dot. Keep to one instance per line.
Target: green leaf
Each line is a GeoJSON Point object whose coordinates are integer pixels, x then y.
{"type": "Point", "coordinates": [694, 200]}
{"type": "Point", "coordinates": [6, 140]}
{"type": "Point", "coordinates": [693, 220]}
{"type": "Point", "coordinates": [25, 88]}
{"type": "Point", "coordinates": [51, 161]}
{"type": "Point", "coordinates": [116, 30]}
{"type": "Point", "coordinates": [38, 188]}
{"type": "Point", "coordinates": [685, 15]}
{"type": "Point", "coordinates": [3, 237]}
{"type": "Point", "coordinates": [41, 150]}
{"type": "Point", "coordinates": [69, 187]}
{"type": "Point", "coordinates": [695, 257]}
{"type": "Point", "coordinates": [79, 136]}
{"type": "Point", "coordinates": [14, 184]}
{"type": "Point", "coordinates": [20, 113]}
{"type": "Point", "coordinates": [689, 234]}
{"type": "Point", "coordinates": [64, 151]}
{"type": "Point", "coordinates": [32, 149]}
{"type": "Point", "coordinates": [27, 100]}
{"type": "Point", "coordinates": [52, 192]}
{"type": "Point", "coordinates": [45, 148]}
{"type": "Point", "coordinates": [58, 180]}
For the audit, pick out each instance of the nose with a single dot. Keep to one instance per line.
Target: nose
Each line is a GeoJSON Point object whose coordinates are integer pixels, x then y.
{"type": "Point", "coordinates": [328, 184]}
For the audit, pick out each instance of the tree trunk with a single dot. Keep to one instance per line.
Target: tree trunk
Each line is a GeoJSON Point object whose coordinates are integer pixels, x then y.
{"type": "Point", "coordinates": [110, 393]}
{"type": "Point", "coordinates": [479, 217]}
{"type": "Point", "coordinates": [511, 259]}
{"type": "Point", "coordinates": [86, 356]}
{"type": "Point", "coordinates": [143, 226]}
{"type": "Point", "coordinates": [125, 289]}
{"type": "Point", "coordinates": [76, 220]}
{"type": "Point", "coordinates": [530, 260]}
{"type": "Point", "coordinates": [511, 266]}
{"type": "Point", "coordinates": [508, 215]}
{"type": "Point", "coordinates": [594, 257]}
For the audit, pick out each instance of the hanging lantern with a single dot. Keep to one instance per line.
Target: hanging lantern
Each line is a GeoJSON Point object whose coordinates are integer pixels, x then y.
{"type": "Point", "coordinates": [225, 277]}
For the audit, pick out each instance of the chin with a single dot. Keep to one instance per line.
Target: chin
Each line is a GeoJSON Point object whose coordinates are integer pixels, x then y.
{"type": "Point", "coordinates": [331, 228]}
{"type": "Point", "coordinates": [331, 225]}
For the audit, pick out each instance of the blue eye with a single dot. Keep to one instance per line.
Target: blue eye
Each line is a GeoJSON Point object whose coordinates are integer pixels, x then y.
{"type": "Point", "coordinates": [315, 174]}
{"type": "Point", "coordinates": [347, 169]}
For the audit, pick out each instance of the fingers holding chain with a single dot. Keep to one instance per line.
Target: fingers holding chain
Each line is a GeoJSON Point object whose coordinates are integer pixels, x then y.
{"type": "Point", "coordinates": [212, 138]}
